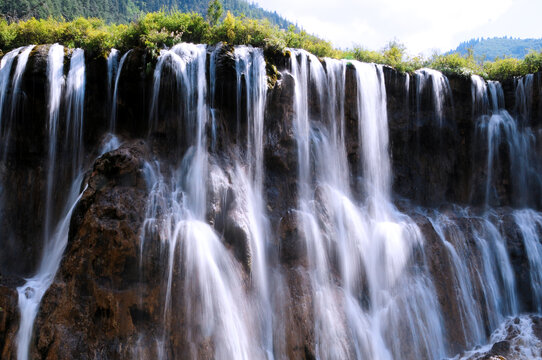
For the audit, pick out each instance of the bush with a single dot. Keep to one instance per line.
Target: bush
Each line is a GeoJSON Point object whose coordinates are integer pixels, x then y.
{"type": "Point", "coordinates": [8, 34]}
{"type": "Point", "coordinates": [164, 29]}
{"type": "Point", "coordinates": [532, 62]}
{"type": "Point", "coordinates": [364, 55]}
{"type": "Point", "coordinates": [157, 30]}
{"type": "Point", "coordinates": [455, 64]}
{"type": "Point", "coordinates": [501, 69]}
{"type": "Point", "coordinates": [393, 54]}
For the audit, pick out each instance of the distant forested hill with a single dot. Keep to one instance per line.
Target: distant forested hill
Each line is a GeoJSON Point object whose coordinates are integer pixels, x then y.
{"type": "Point", "coordinates": [491, 48]}
{"type": "Point", "coordinates": [125, 10]}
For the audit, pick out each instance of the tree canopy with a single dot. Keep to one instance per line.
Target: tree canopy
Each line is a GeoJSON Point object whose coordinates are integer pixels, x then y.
{"type": "Point", "coordinates": [123, 11]}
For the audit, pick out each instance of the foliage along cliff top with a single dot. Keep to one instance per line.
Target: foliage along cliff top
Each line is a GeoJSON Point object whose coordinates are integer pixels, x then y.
{"type": "Point", "coordinates": [164, 29]}
{"type": "Point", "coordinates": [157, 30]}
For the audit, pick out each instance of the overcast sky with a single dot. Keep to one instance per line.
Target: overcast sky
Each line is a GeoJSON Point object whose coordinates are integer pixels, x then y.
{"type": "Point", "coordinates": [422, 25]}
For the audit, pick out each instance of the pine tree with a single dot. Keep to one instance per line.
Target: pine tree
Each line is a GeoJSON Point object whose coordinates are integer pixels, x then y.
{"type": "Point", "coordinates": [214, 12]}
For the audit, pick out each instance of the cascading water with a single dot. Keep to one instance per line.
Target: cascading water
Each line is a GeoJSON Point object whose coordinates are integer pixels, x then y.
{"type": "Point", "coordinates": [113, 75]}
{"type": "Point", "coordinates": [529, 223]}
{"type": "Point", "coordinates": [22, 59]}
{"type": "Point", "coordinates": [484, 281]}
{"type": "Point", "coordinates": [383, 283]}
{"type": "Point", "coordinates": [250, 66]}
{"type": "Point", "coordinates": [5, 72]}
{"type": "Point", "coordinates": [395, 290]}
{"type": "Point", "coordinates": [215, 305]}
{"type": "Point", "coordinates": [440, 91]}
{"type": "Point", "coordinates": [10, 109]}
{"type": "Point", "coordinates": [55, 77]}
{"type": "Point", "coordinates": [55, 235]}
{"type": "Point", "coordinates": [330, 334]}
{"type": "Point", "coordinates": [75, 103]}
{"type": "Point", "coordinates": [112, 70]}
{"type": "Point", "coordinates": [373, 243]}
{"type": "Point", "coordinates": [484, 284]}
{"type": "Point", "coordinates": [212, 93]}
{"type": "Point", "coordinates": [117, 72]}
{"type": "Point", "coordinates": [524, 98]}
{"type": "Point", "coordinates": [498, 128]}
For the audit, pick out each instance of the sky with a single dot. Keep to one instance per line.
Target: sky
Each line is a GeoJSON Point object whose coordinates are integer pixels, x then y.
{"type": "Point", "coordinates": [424, 26]}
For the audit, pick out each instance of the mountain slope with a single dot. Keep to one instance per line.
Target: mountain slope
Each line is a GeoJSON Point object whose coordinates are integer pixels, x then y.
{"type": "Point", "coordinates": [491, 48]}
{"type": "Point", "coordinates": [125, 10]}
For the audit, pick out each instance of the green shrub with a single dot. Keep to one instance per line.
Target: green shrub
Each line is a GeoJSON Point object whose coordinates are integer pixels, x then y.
{"type": "Point", "coordinates": [8, 34]}
{"type": "Point", "coordinates": [166, 28]}
{"type": "Point", "coordinates": [532, 62]}
{"type": "Point", "coordinates": [157, 30]}
{"type": "Point", "coordinates": [455, 64]}
{"type": "Point", "coordinates": [364, 55]}
{"type": "Point", "coordinates": [393, 54]}
{"type": "Point", "coordinates": [501, 69]}
{"type": "Point", "coordinates": [44, 31]}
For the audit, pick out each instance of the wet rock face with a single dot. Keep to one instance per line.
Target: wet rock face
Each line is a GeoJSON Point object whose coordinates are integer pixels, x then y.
{"type": "Point", "coordinates": [9, 321]}
{"type": "Point", "coordinates": [280, 159]}
{"type": "Point", "coordinates": [431, 159]}
{"type": "Point", "coordinates": [440, 267]}
{"type": "Point", "coordinates": [101, 299]}
{"type": "Point", "coordinates": [134, 94]}
{"type": "Point", "coordinates": [520, 262]}
{"type": "Point", "coordinates": [225, 92]}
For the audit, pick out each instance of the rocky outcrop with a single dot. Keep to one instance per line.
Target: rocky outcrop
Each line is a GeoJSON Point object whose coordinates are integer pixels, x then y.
{"type": "Point", "coordinates": [105, 293]}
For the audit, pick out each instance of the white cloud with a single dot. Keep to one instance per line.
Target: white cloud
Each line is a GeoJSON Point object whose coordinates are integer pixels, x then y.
{"type": "Point", "coordinates": [422, 25]}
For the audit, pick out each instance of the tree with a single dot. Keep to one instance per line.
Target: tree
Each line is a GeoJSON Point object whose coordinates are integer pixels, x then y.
{"type": "Point", "coordinates": [214, 12]}
{"type": "Point", "coordinates": [394, 52]}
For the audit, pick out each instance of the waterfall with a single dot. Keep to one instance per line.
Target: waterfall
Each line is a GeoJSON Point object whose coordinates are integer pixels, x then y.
{"type": "Point", "coordinates": [486, 294]}
{"type": "Point", "coordinates": [55, 77]}
{"type": "Point", "coordinates": [212, 91]}
{"type": "Point", "coordinates": [12, 106]}
{"type": "Point", "coordinates": [330, 334]}
{"type": "Point", "coordinates": [31, 293]}
{"type": "Point", "coordinates": [469, 318]}
{"type": "Point", "coordinates": [113, 121]}
{"type": "Point", "coordinates": [250, 66]}
{"type": "Point", "coordinates": [22, 59]}
{"type": "Point", "coordinates": [214, 302]}
{"type": "Point", "coordinates": [372, 242]}
{"type": "Point", "coordinates": [497, 127]}
{"type": "Point", "coordinates": [112, 70]}
{"type": "Point", "coordinates": [524, 98]}
{"type": "Point", "coordinates": [75, 103]}
{"type": "Point", "coordinates": [439, 87]}
{"type": "Point", "coordinates": [373, 135]}
{"type": "Point", "coordinates": [5, 72]}
{"type": "Point", "coordinates": [530, 225]}
{"type": "Point", "coordinates": [399, 297]}
{"type": "Point", "coordinates": [480, 97]}
{"type": "Point", "coordinates": [374, 275]}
